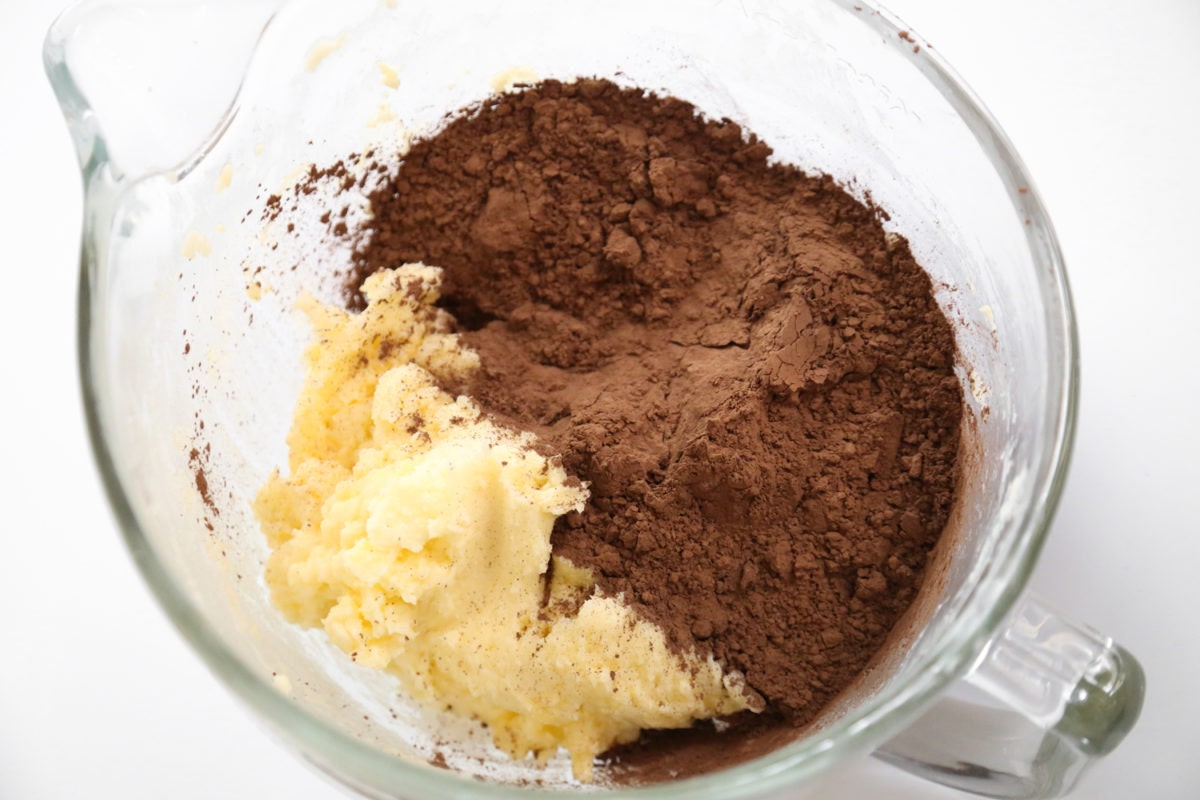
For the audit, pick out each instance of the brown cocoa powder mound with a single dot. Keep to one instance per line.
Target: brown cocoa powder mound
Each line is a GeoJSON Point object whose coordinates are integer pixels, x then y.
{"type": "Point", "coordinates": [754, 379]}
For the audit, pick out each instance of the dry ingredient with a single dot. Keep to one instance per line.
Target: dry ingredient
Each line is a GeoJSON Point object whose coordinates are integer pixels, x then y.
{"type": "Point", "coordinates": [750, 375]}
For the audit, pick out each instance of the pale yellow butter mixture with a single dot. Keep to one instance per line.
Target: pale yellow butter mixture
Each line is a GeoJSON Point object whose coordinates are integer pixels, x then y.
{"type": "Point", "coordinates": [416, 532]}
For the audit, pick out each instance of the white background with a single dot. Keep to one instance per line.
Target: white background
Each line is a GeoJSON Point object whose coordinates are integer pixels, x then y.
{"type": "Point", "coordinates": [99, 697]}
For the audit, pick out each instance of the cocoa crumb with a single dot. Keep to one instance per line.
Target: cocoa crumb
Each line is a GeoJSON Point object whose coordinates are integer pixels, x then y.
{"type": "Point", "coordinates": [198, 462]}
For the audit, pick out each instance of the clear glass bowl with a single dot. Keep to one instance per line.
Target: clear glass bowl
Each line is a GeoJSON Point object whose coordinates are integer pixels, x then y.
{"type": "Point", "coordinates": [190, 350]}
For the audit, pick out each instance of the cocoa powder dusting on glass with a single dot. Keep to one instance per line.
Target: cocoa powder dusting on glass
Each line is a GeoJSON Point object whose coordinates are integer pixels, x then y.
{"type": "Point", "coordinates": [752, 377]}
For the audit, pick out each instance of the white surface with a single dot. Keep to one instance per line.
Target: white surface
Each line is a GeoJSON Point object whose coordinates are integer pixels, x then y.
{"type": "Point", "coordinates": [100, 698]}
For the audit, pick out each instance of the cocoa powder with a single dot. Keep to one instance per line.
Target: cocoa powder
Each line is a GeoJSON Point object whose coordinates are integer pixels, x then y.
{"type": "Point", "coordinates": [751, 375]}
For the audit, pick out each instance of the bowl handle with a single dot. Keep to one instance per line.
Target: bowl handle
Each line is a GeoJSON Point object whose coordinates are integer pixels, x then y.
{"type": "Point", "coordinates": [1046, 699]}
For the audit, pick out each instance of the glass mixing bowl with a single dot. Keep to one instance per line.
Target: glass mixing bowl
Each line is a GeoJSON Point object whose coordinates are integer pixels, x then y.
{"type": "Point", "coordinates": [188, 115]}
